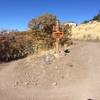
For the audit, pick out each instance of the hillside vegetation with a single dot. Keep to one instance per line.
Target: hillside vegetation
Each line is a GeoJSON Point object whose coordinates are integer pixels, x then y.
{"type": "Point", "coordinates": [15, 44]}
{"type": "Point", "coordinates": [88, 31]}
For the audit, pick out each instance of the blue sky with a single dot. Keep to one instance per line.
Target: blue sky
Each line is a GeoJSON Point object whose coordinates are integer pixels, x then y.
{"type": "Point", "coordinates": [15, 14]}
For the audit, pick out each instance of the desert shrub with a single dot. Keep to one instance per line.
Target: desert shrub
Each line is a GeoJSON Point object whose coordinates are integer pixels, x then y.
{"type": "Point", "coordinates": [97, 17]}
{"type": "Point", "coordinates": [15, 45]}
{"type": "Point", "coordinates": [66, 29]}
{"type": "Point", "coordinates": [43, 24]}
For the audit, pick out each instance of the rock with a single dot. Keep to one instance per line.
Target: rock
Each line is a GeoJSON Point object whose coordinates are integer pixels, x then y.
{"type": "Point", "coordinates": [26, 83]}
{"type": "Point", "coordinates": [16, 84]}
{"type": "Point", "coordinates": [70, 65]}
{"type": "Point", "coordinates": [54, 84]}
{"type": "Point", "coordinates": [49, 58]}
{"type": "Point", "coordinates": [56, 55]}
{"type": "Point", "coordinates": [56, 67]}
{"type": "Point", "coordinates": [36, 84]}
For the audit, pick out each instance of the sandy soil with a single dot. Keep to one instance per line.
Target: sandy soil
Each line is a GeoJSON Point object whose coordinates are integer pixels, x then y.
{"type": "Point", "coordinates": [75, 76]}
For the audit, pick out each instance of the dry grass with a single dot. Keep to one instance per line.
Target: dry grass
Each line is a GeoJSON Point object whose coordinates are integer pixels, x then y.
{"type": "Point", "coordinates": [89, 31]}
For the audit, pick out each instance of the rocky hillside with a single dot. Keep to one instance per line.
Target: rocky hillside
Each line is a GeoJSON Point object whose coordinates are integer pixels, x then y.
{"type": "Point", "coordinates": [88, 31]}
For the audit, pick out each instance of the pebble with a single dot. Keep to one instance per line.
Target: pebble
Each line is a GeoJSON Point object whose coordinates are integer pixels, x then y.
{"type": "Point", "coordinates": [56, 67]}
{"type": "Point", "coordinates": [16, 84]}
{"type": "Point", "coordinates": [44, 71]}
{"type": "Point", "coordinates": [56, 55]}
{"type": "Point", "coordinates": [54, 84]}
{"type": "Point", "coordinates": [49, 58]}
{"type": "Point", "coordinates": [70, 65]}
{"type": "Point", "coordinates": [26, 83]}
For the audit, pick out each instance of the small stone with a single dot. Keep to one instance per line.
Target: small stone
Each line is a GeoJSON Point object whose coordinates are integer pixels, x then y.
{"type": "Point", "coordinates": [70, 65]}
{"type": "Point", "coordinates": [49, 58]}
{"type": "Point", "coordinates": [26, 83]}
{"type": "Point", "coordinates": [16, 84]}
{"type": "Point", "coordinates": [56, 67]}
{"type": "Point", "coordinates": [54, 84]}
{"type": "Point", "coordinates": [56, 55]}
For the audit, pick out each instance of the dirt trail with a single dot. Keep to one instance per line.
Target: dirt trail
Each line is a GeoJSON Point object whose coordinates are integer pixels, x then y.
{"type": "Point", "coordinates": [75, 76]}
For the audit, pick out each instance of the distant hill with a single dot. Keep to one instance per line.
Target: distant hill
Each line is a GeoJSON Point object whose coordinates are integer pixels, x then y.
{"type": "Point", "coordinates": [95, 18]}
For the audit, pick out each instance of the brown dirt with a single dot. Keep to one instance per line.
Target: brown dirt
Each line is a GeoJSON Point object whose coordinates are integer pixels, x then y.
{"type": "Point", "coordinates": [75, 76]}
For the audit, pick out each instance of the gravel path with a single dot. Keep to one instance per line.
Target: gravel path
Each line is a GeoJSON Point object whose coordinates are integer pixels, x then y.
{"type": "Point", "coordinates": [75, 76]}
